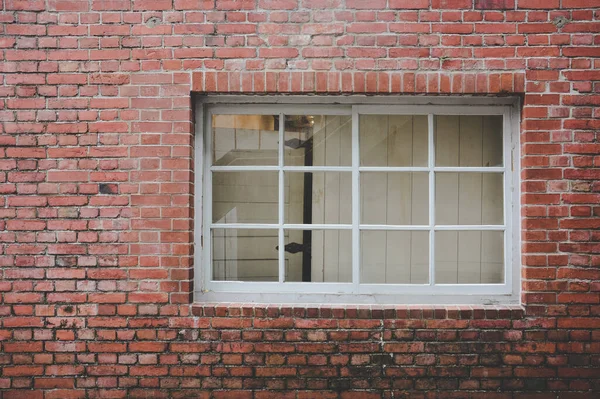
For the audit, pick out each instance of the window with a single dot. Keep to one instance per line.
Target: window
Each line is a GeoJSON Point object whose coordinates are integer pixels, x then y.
{"type": "Point", "coordinates": [358, 202]}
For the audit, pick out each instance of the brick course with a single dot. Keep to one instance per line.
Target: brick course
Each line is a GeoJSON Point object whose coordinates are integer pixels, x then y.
{"type": "Point", "coordinates": [96, 217]}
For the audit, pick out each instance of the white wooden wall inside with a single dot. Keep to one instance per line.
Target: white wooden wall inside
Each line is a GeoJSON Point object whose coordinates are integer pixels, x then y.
{"type": "Point", "coordinates": [331, 253]}
{"type": "Point", "coordinates": [245, 197]}
{"type": "Point", "coordinates": [399, 198]}
{"type": "Point", "coordinates": [469, 199]}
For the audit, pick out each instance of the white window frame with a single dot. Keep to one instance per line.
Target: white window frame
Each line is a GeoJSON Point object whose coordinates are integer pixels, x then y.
{"type": "Point", "coordinates": [281, 292]}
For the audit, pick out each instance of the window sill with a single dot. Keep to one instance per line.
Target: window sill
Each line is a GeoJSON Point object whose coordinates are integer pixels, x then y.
{"type": "Point", "coordinates": [415, 312]}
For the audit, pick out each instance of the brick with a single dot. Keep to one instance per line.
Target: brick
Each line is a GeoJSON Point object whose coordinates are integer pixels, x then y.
{"type": "Point", "coordinates": [495, 4]}
{"type": "Point", "coordinates": [111, 5]}
{"type": "Point", "coordinates": [22, 371]}
{"type": "Point", "coordinates": [451, 4]}
{"type": "Point", "coordinates": [109, 79]}
{"type": "Point", "coordinates": [278, 4]}
{"type": "Point", "coordinates": [409, 4]}
{"type": "Point", "coordinates": [365, 4]}
{"type": "Point", "coordinates": [25, 225]}
{"type": "Point", "coordinates": [538, 4]}
{"type": "Point", "coordinates": [580, 3]}
{"type": "Point", "coordinates": [23, 347]}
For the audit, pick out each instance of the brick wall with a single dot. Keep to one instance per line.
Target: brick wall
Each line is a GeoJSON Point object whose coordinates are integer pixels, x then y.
{"type": "Point", "coordinates": [96, 183]}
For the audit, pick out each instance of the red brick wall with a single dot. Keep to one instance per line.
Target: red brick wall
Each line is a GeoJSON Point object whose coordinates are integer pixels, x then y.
{"type": "Point", "coordinates": [96, 183]}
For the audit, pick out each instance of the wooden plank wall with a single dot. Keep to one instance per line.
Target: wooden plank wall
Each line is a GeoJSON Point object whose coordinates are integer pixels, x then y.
{"type": "Point", "coordinates": [331, 202]}
{"type": "Point", "coordinates": [468, 199]}
{"type": "Point", "coordinates": [245, 197]}
{"type": "Point", "coordinates": [394, 198]}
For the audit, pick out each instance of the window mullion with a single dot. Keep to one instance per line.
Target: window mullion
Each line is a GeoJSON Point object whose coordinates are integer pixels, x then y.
{"type": "Point", "coordinates": [431, 165]}
{"type": "Point", "coordinates": [317, 226]}
{"type": "Point", "coordinates": [470, 227]}
{"type": "Point", "coordinates": [251, 168]}
{"type": "Point", "coordinates": [281, 200]}
{"type": "Point", "coordinates": [393, 169]}
{"type": "Point", "coordinates": [467, 169]}
{"type": "Point", "coordinates": [355, 200]}
{"type": "Point", "coordinates": [508, 187]}
{"type": "Point", "coordinates": [207, 201]}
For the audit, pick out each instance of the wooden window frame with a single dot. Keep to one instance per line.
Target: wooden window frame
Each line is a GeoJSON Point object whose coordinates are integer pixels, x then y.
{"type": "Point", "coordinates": [207, 290]}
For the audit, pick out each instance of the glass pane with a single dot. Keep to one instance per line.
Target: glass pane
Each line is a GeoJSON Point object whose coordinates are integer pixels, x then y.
{"type": "Point", "coordinates": [245, 255]}
{"type": "Point", "coordinates": [318, 256]}
{"type": "Point", "coordinates": [394, 257]}
{"type": "Point", "coordinates": [245, 197]}
{"type": "Point", "coordinates": [468, 140]}
{"type": "Point", "coordinates": [469, 198]}
{"type": "Point", "coordinates": [240, 140]}
{"type": "Point", "coordinates": [469, 257]}
{"type": "Point", "coordinates": [318, 140]}
{"type": "Point", "coordinates": [318, 197]}
{"type": "Point", "coordinates": [394, 198]}
{"type": "Point", "coordinates": [393, 140]}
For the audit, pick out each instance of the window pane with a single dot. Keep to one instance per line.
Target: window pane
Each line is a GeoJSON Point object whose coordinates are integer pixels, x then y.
{"type": "Point", "coordinates": [394, 257]}
{"type": "Point", "coordinates": [318, 256]}
{"type": "Point", "coordinates": [245, 197]}
{"type": "Point", "coordinates": [318, 140]}
{"type": "Point", "coordinates": [240, 140]}
{"type": "Point", "coordinates": [469, 198]}
{"type": "Point", "coordinates": [245, 255]}
{"type": "Point", "coordinates": [318, 197]}
{"type": "Point", "coordinates": [469, 257]}
{"type": "Point", "coordinates": [394, 198]}
{"type": "Point", "coordinates": [393, 140]}
{"type": "Point", "coordinates": [468, 140]}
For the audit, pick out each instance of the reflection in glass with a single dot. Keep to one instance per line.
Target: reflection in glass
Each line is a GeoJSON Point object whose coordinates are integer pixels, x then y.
{"type": "Point", "coordinates": [245, 197]}
{"type": "Point", "coordinates": [318, 256]}
{"type": "Point", "coordinates": [394, 257]}
{"type": "Point", "coordinates": [469, 257]}
{"type": "Point", "coordinates": [393, 140]}
{"type": "Point", "coordinates": [468, 140]}
{"type": "Point", "coordinates": [394, 198]}
{"type": "Point", "coordinates": [241, 140]}
{"type": "Point", "coordinates": [318, 140]}
{"type": "Point", "coordinates": [469, 198]}
{"type": "Point", "coordinates": [245, 255]}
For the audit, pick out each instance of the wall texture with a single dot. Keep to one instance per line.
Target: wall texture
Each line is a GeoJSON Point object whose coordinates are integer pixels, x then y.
{"type": "Point", "coordinates": [96, 182]}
